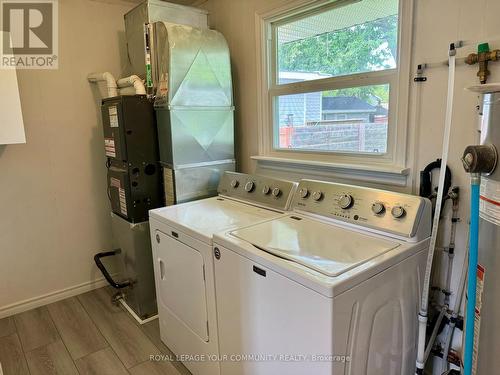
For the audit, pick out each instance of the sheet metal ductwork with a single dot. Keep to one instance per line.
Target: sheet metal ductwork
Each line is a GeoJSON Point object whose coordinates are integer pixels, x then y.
{"type": "Point", "coordinates": [149, 12]}
{"type": "Point", "coordinates": [194, 108]}
{"type": "Point", "coordinates": [190, 81]}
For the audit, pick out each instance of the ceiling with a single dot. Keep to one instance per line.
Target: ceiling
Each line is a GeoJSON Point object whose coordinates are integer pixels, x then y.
{"type": "Point", "coordinates": [340, 17]}
{"type": "Point", "coordinates": [182, 2]}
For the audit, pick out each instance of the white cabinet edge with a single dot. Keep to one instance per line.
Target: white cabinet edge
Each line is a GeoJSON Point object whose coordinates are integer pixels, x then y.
{"type": "Point", "coordinates": [11, 124]}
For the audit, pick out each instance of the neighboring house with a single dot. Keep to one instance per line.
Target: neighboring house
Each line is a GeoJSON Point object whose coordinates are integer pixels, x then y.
{"type": "Point", "coordinates": [354, 109]}
{"type": "Point", "coordinates": [311, 108]}
{"type": "Point", "coordinates": [299, 109]}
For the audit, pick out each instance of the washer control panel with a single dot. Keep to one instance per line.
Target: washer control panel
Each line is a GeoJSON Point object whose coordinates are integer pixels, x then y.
{"type": "Point", "coordinates": [391, 212]}
{"type": "Point", "coordinates": [270, 192]}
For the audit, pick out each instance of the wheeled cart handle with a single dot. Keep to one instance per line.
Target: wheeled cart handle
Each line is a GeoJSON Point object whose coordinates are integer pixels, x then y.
{"type": "Point", "coordinates": [107, 276]}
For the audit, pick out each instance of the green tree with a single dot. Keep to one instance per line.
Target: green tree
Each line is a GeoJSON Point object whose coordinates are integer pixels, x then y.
{"type": "Point", "coordinates": [360, 48]}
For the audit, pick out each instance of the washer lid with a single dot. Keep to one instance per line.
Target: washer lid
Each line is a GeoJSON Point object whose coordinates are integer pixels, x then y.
{"type": "Point", "coordinates": [325, 248]}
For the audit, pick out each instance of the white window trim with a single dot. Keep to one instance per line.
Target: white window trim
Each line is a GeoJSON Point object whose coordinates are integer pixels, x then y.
{"type": "Point", "coordinates": [393, 165]}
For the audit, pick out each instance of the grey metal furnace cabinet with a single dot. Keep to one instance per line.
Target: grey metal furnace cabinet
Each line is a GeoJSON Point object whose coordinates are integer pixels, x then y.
{"type": "Point", "coordinates": [135, 263]}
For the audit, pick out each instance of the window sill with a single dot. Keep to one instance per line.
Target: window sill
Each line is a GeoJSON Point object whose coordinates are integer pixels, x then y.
{"type": "Point", "coordinates": [372, 173]}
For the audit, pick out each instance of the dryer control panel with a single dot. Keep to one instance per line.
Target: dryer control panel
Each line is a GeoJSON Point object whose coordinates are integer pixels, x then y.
{"type": "Point", "coordinates": [396, 213]}
{"type": "Point", "coordinates": [266, 191]}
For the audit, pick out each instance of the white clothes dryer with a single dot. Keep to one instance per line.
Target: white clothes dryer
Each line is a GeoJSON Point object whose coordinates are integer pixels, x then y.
{"type": "Point", "coordinates": [181, 237]}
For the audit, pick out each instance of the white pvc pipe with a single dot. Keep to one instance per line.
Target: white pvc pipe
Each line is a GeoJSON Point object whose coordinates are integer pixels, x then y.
{"type": "Point", "coordinates": [134, 81]}
{"type": "Point", "coordinates": [454, 316]}
{"type": "Point", "coordinates": [105, 77]}
{"type": "Point", "coordinates": [126, 90]}
{"type": "Point", "coordinates": [434, 333]}
{"type": "Point", "coordinates": [422, 316]}
{"type": "Point", "coordinates": [451, 246]}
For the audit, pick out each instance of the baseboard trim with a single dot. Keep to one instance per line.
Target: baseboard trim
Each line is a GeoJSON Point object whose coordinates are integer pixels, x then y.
{"type": "Point", "coordinates": [135, 316]}
{"type": "Point", "coordinates": [32, 303]}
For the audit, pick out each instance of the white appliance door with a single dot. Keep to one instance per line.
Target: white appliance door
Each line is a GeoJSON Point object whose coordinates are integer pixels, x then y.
{"type": "Point", "coordinates": [266, 315]}
{"type": "Point", "coordinates": [182, 283]}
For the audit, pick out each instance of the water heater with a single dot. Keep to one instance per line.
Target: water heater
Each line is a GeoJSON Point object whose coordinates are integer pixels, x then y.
{"type": "Point", "coordinates": [487, 324]}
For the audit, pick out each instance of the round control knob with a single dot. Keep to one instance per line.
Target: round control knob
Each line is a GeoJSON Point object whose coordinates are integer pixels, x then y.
{"type": "Point", "coordinates": [398, 212]}
{"type": "Point", "coordinates": [234, 184]}
{"type": "Point", "coordinates": [317, 195]}
{"type": "Point", "coordinates": [276, 192]}
{"type": "Point", "coordinates": [346, 201]}
{"type": "Point", "coordinates": [266, 190]}
{"type": "Point", "coordinates": [249, 186]}
{"type": "Point", "coordinates": [304, 193]}
{"type": "Point", "coordinates": [378, 208]}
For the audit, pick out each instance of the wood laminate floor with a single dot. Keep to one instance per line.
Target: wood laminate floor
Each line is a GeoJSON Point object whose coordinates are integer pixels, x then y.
{"type": "Point", "coordinates": [83, 335]}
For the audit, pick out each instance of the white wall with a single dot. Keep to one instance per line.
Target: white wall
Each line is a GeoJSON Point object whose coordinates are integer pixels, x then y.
{"type": "Point", "coordinates": [12, 129]}
{"type": "Point", "coordinates": [436, 24]}
{"type": "Point", "coordinates": [54, 208]}
{"type": "Point", "coordinates": [52, 189]}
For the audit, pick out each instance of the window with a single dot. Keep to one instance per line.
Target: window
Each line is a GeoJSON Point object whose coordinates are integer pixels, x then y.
{"type": "Point", "coordinates": [331, 81]}
{"type": "Point", "coordinates": [345, 120]}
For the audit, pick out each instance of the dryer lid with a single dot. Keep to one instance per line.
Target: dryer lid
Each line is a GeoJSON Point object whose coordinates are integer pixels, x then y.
{"type": "Point", "coordinates": [202, 218]}
{"type": "Point", "coordinates": [326, 248]}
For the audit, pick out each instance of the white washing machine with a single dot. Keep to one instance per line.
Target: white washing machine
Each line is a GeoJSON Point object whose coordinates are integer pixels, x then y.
{"type": "Point", "coordinates": [333, 287]}
{"type": "Point", "coordinates": [181, 238]}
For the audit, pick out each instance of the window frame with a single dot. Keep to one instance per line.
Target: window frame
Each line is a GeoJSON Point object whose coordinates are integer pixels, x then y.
{"type": "Point", "coordinates": [394, 160]}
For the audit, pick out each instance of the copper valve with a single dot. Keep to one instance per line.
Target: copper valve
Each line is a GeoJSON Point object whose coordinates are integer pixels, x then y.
{"type": "Point", "coordinates": [483, 56]}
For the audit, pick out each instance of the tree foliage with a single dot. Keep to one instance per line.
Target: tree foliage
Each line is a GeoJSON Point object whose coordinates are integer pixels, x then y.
{"type": "Point", "coordinates": [360, 48]}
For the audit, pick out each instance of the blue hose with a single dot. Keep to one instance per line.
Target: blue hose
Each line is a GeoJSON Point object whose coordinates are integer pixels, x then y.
{"type": "Point", "coordinates": [472, 278]}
